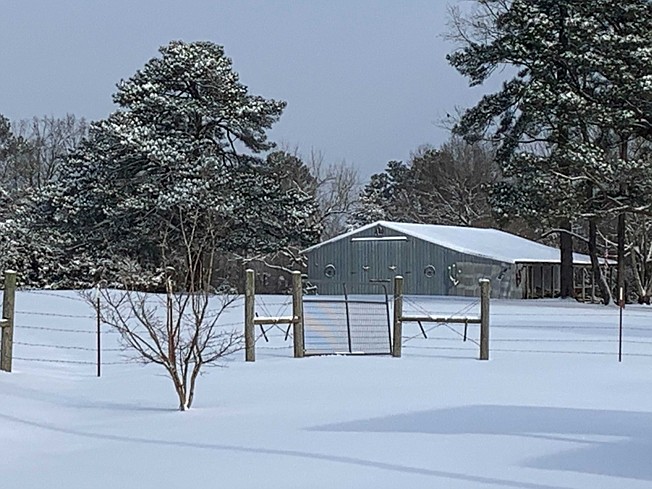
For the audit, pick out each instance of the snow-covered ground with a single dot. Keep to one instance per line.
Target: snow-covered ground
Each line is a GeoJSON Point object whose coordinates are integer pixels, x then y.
{"type": "Point", "coordinates": [553, 408]}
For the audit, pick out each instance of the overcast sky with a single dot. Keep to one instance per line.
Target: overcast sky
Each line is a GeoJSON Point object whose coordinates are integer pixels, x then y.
{"type": "Point", "coordinates": [366, 81]}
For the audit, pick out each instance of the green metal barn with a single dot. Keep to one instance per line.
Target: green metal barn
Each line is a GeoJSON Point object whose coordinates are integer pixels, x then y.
{"type": "Point", "coordinates": [441, 260]}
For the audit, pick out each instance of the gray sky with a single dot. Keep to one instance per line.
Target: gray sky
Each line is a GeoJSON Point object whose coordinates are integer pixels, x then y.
{"type": "Point", "coordinates": [366, 81]}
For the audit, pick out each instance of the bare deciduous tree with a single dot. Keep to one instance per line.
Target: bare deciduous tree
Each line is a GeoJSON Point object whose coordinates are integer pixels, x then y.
{"type": "Point", "coordinates": [183, 342]}
{"type": "Point", "coordinates": [454, 181]}
{"type": "Point", "coordinates": [639, 240]}
{"type": "Point", "coordinates": [446, 185]}
{"type": "Point", "coordinates": [48, 139]}
{"type": "Point", "coordinates": [335, 186]}
{"type": "Point", "coordinates": [336, 189]}
{"type": "Point", "coordinates": [188, 337]}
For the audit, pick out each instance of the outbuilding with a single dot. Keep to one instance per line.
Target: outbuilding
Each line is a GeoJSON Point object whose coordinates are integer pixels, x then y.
{"type": "Point", "coordinates": [442, 260]}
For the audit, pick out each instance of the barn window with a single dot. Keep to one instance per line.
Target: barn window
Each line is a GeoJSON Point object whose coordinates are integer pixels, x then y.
{"type": "Point", "coordinates": [329, 270]}
{"type": "Point", "coordinates": [429, 271]}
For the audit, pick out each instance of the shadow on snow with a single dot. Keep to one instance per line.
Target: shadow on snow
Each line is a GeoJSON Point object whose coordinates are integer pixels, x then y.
{"type": "Point", "coordinates": [626, 456]}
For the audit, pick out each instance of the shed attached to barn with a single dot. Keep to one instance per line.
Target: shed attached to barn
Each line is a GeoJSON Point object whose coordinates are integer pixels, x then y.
{"type": "Point", "coordinates": [441, 260]}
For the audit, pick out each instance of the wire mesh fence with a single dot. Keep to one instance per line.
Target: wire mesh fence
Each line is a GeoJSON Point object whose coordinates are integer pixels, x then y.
{"type": "Point", "coordinates": [339, 325]}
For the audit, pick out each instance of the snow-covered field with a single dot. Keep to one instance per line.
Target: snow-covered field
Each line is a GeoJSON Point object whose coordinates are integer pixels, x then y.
{"type": "Point", "coordinates": [553, 408]}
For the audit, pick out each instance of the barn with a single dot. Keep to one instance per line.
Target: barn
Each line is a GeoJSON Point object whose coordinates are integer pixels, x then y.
{"type": "Point", "coordinates": [442, 260]}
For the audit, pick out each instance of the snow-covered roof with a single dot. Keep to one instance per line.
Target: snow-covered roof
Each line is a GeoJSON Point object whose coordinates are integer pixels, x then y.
{"type": "Point", "coordinates": [485, 243]}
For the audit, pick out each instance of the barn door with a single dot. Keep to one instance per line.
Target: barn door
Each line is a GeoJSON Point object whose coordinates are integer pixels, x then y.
{"type": "Point", "coordinates": [378, 259]}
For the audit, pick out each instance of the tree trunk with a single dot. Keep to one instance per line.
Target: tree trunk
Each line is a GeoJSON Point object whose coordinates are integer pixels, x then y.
{"type": "Point", "coordinates": [641, 269]}
{"type": "Point", "coordinates": [598, 276]}
{"type": "Point", "coordinates": [179, 387]}
{"type": "Point", "coordinates": [193, 381]}
{"type": "Point", "coordinates": [620, 276]}
{"type": "Point", "coordinates": [566, 268]}
{"type": "Point", "coordinates": [181, 393]}
{"type": "Point", "coordinates": [565, 238]}
{"type": "Point", "coordinates": [639, 279]}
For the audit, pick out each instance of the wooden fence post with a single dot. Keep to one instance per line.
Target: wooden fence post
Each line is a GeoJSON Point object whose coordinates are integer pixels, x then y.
{"type": "Point", "coordinates": [250, 340]}
{"type": "Point", "coordinates": [398, 314]}
{"type": "Point", "coordinates": [485, 291]}
{"type": "Point", "coordinates": [8, 313]}
{"type": "Point", "coordinates": [297, 313]}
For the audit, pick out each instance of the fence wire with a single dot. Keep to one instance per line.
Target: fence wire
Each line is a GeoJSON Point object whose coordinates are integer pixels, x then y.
{"type": "Point", "coordinates": [504, 339]}
{"type": "Point", "coordinates": [63, 337]}
{"type": "Point", "coordinates": [55, 314]}
{"type": "Point", "coordinates": [273, 308]}
{"type": "Point", "coordinates": [72, 362]}
{"type": "Point", "coordinates": [428, 313]}
{"type": "Point", "coordinates": [54, 294]}
{"type": "Point", "coordinates": [551, 323]}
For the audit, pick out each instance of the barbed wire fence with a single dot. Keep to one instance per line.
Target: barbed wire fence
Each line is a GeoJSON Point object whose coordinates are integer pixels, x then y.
{"type": "Point", "coordinates": [421, 309]}
{"type": "Point", "coordinates": [277, 337]}
{"type": "Point", "coordinates": [72, 334]}
{"type": "Point", "coordinates": [569, 329]}
{"type": "Point", "coordinates": [79, 335]}
{"type": "Point", "coordinates": [75, 338]}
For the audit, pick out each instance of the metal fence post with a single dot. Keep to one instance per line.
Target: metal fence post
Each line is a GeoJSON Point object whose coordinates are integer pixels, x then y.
{"type": "Point", "coordinates": [250, 340]}
{"type": "Point", "coordinates": [398, 314]}
{"type": "Point", "coordinates": [485, 291]}
{"type": "Point", "coordinates": [297, 313]}
{"type": "Point", "coordinates": [98, 325]}
{"type": "Point", "coordinates": [8, 313]}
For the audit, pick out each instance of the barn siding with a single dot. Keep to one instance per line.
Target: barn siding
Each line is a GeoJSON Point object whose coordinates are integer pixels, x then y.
{"type": "Point", "coordinates": [410, 257]}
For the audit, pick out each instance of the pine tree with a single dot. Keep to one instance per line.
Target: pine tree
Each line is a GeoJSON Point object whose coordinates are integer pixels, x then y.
{"type": "Point", "coordinates": [385, 197]}
{"type": "Point", "coordinates": [175, 154]}
{"type": "Point", "coordinates": [575, 66]}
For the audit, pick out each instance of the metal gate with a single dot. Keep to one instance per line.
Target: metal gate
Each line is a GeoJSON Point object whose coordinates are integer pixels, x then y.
{"type": "Point", "coordinates": [346, 324]}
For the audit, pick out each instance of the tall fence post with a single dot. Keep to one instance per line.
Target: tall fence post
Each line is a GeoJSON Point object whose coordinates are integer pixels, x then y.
{"type": "Point", "coordinates": [621, 305]}
{"type": "Point", "coordinates": [8, 313]}
{"type": "Point", "coordinates": [485, 291]}
{"type": "Point", "coordinates": [98, 326]}
{"type": "Point", "coordinates": [250, 340]}
{"type": "Point", "coordinates": [398, 314]}
{"type": "Point", "coordinates": [297, 313]}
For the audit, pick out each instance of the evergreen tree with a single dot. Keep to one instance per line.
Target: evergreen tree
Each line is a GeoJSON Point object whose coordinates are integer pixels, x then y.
{"type": "Point", "coordinates": [171, 160]}
{"type": "Point", "coordinates": [385, 197]}
{"type": "Point", "coordinates": [574, 64]}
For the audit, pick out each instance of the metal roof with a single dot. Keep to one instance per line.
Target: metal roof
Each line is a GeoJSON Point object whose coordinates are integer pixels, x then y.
{"type": "Point", "coordinates": [487, 243]}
